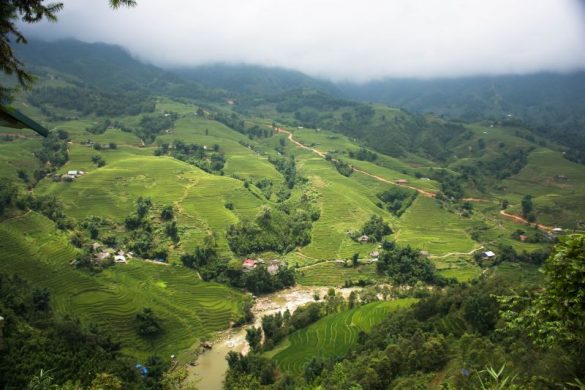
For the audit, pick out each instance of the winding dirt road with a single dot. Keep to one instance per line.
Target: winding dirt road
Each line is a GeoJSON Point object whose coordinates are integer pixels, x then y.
{"type": "Point", "coordinates": [516, 218]}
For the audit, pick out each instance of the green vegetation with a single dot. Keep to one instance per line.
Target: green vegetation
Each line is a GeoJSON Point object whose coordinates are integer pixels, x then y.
{"type": "Point", "coordinates": [188, 307]}
{"type": "Point", "coordinates": [397, 200]}
{"type": "Point", "coordinates": [188, 182]}
{"type": "Point", "coordinates": [333, 335]}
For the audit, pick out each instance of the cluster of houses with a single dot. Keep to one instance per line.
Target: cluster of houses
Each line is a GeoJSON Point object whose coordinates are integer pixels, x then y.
{"type": "Point", "coordinates": [272, 266]}
{"type": "Point", "coordinates": [103, 254]}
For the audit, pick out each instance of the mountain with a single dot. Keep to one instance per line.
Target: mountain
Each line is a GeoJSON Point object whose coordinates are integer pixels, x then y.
{"type": "Point", "coordinates": [103, 65]}
{"type": "Point", "coordinates": [253, 80]}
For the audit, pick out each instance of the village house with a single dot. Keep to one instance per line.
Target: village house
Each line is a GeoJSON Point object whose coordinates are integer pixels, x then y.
{"type": "Point", "coordinates": [273, 267]}
{"type": "Point", "coordinates": [424, 253]}
{"type": "Point", "coordinates": [522, 237]}
{"type": "Point", "coordinates": [375, 254]}
{"type": "Point", "coordinates": [489, 255]}
{"type": "Point", "coordinates": [557, 230]}
{"type": "Point", "coordinates": [363, 239]}
{"type": "Point", "coordinates": [248, 264]}
{"type": "Point", "coordinates": [120, 257]}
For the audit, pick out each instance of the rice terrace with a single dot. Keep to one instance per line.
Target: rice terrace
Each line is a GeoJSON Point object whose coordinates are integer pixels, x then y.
{"type": "Point", "coordinates": [236, 222]}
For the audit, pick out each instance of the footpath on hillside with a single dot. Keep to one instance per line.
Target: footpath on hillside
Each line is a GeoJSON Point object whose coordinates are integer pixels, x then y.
{"type": "Point", "coordinates": [513, 217]}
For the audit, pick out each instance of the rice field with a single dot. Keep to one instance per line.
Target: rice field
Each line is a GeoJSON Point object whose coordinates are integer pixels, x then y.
{"type": "Point", "coordinates": [188, 307]}
{"type": "Point", "coordinates": [333, 274]}
{"type": "Point", "coordinates": [332, 335]}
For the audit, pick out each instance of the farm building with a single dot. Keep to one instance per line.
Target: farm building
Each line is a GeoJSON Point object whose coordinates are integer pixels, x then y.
{"type": "Point", "coordinates": [120, 259]}
{"type": "Point", "coordinates": [249, 264]}
{"type": "Point", "coordinates": [364, 239]}
{"type": "Point", "coordinates": [274, 266]}
{"type": "Point", "coordinates": [488, 255]}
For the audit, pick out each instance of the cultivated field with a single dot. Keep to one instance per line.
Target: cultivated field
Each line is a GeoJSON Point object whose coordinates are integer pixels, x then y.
{"type": "Point", "coordinates": [332, 335]}
{"type": "Point", "coordinates": [188, 307]}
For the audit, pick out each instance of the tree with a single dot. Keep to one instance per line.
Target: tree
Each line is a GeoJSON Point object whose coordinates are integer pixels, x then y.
{"type": "Point", "coordinates": [254, 337]}
{"type": "Point", "coordinates": [29, 11]}
{"type": "Point", "coordinates": [148, 324]}
{"type": "Point", "coordinates": [355, 260]}
{"type": "Point", "coordinates": [555, 315]}
{"type": "Point", "coordinates": [167, 213]}
{"type": "Point", "coordinates": [527, 206]}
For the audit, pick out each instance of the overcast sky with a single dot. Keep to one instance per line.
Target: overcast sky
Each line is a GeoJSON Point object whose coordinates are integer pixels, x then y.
{"type": "Point", "coordinates": [353, 40]}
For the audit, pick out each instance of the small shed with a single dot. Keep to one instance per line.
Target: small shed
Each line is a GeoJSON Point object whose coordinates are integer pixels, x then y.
{"type": "Point", "coordinates": [364, 239]}
{"type": "Point", "coordinates": [488, 255]}
{"type": "Point", "coordinates": [72, 173]}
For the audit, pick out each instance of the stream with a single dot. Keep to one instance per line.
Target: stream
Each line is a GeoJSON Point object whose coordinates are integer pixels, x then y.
{"type": "Point", "coordinates": [211, 365]}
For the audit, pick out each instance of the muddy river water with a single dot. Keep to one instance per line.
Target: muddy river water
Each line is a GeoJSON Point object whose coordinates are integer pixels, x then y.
{"type": "Point", "coordinates": [211, 365]}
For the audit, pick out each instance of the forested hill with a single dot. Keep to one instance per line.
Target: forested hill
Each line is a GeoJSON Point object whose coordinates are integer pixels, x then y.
{"type": "Point", "coordinates": [253, 80]}
{"type": "Point", "coordinates": [93, 63]}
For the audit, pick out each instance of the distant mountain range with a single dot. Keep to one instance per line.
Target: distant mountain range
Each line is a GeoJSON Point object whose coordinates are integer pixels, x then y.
{"type": "Point", "coordinates": [551, 104]}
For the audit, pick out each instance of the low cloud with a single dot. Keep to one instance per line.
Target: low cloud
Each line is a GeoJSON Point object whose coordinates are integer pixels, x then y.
{"type": "Point", "coordinates": [340, 40]}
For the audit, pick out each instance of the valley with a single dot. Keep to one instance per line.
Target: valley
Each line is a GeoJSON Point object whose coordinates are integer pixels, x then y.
{"type": "Point", "coordinates": [188, 219]}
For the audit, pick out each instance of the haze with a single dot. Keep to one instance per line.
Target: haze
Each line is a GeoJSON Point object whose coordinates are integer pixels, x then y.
{"type": "Point", "coordinates": [340, 40]}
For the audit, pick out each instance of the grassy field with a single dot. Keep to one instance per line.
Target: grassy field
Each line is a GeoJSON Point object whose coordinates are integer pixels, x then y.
{"type": "Point", "coordinates": [332, 274]}
{"type": "Point", "coordinates": [188, 307]}
{"type": "Point", "coordinates": [332, 335]}
{"type": "Point", "coordinates": [428, 227]}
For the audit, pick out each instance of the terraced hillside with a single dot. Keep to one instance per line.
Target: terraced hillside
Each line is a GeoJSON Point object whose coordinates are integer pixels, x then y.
{"type": "Point", "coordinates": [188, 307]}
{"type": "Point", "coordinates": [332, 335]}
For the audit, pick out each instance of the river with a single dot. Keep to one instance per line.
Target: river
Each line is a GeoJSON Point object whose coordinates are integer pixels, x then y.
{"type": "Point", "coordinates": [211, 365]}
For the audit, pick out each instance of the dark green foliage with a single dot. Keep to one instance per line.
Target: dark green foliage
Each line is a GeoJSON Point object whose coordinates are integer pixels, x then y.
{"type": "Point", "coordinates": [49, 206]}
{"type": "Point", "coordinates": [287, 167]}
{"type": "Point", "coordinates": [279, 229]}
{"type": "Point", "coordinates": [100, 127]}
{"type": "Point", "coordinates": [89, 101]}
{"type": "Point", "coordinates": [35, 339]}
{"type": "Point", "coordinates": [501, 166]}
{"type": "Point", "coordinates": [7, 194]}
{"type": "Point", "coordinates": [527, 206]}
{"type": "Point", "coordinates": [451, 184]}
{"type": "Point", "coordinates": [210, 160]}
{"type": "Point", "coordinates": [252, 367]}
{"type": "Point", "coordinates": [167, 213]}
{"type": "Point", "coordinates": [342, 167]}
{"type": "Point", "coordinates": [375, 228]}
{"type": "Point", "coordinates": [397, 199]}
{"type": "Point", "coordinates": [148, 325]}
{"type": "Point", "coordinates": [260, 281]}
{"type": "Point", "coordinates": [152, 125]}
{"type": "Point", "coordinates": [254, 337]}
{"type": "Point", "coordinates": [363, 155]}
{"type": "Point", "coordinates": [200, 257]}
{"type": "Point", "coordinates": [407, 266]}
{"type": "Point", "coordinates": [54, 149]}
{"type": "Point", "coordinates": [98, 161]}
